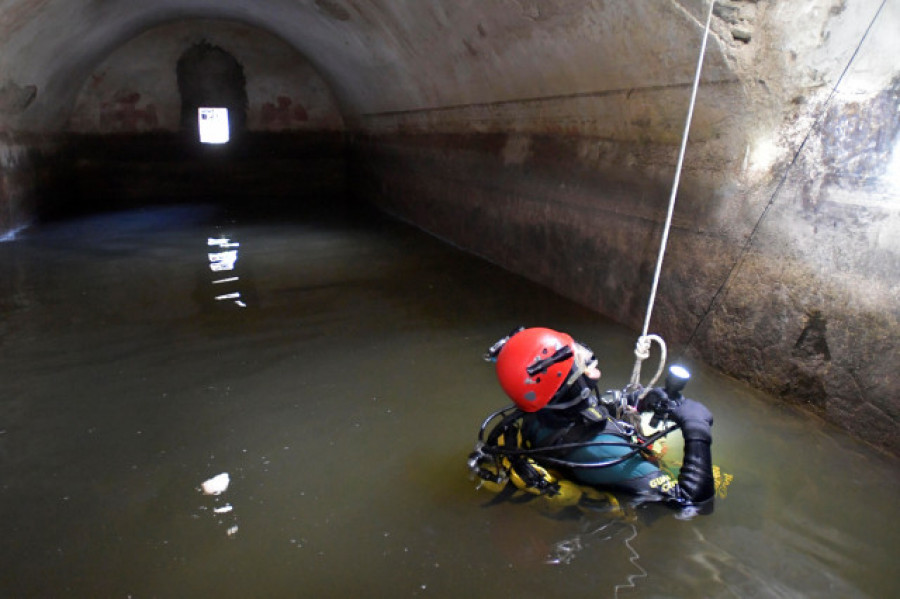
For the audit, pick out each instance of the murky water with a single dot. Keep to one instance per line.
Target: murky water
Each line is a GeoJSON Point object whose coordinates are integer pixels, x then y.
{"type": "Point", "coordinates": [338, 380]}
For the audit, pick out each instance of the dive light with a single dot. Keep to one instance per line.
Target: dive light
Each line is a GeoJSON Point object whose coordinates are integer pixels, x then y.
{"type": "Point", "coordinates": [677, 378]}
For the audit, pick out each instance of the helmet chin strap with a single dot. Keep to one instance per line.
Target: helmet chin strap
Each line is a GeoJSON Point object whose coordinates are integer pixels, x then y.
{"type": "Point", "coordinates": [585, 396]}
{"type": "Point", "coordinates": [590, 409]}
{"type": "Point", "coordinates": [581, 397]}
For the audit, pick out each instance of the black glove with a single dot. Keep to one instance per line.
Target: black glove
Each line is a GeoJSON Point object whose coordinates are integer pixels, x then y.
{"type": "Point", "coordinates": [694, 419]}
{"type": "Point", "coordinates": [654, 396]}
{"type": "Point", "coordinates": [696, 477]}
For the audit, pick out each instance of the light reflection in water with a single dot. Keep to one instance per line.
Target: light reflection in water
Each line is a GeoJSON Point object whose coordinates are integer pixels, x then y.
{"type": "Point", "coordinates": [11, 235]}
{"type": "Point", "coordinates": [224, 261]}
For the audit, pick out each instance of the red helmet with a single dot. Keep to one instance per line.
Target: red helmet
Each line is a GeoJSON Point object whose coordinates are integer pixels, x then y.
{"type": "Point", "coordinates": [533, 365]}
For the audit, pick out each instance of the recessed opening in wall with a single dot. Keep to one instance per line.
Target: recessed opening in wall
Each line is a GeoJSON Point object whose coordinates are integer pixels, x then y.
{"type": "Point", "coordinates": [213, 125]}
{"type": "Point", "coordinates": [210, 78]}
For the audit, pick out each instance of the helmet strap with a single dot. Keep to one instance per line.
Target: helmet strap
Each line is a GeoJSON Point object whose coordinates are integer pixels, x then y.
{"type": "Point", "coordinates": [586, 395]}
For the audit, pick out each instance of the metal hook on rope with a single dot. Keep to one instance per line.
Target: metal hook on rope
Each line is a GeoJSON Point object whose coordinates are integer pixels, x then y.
{"type": "Point", "coordinates": [642, 348]}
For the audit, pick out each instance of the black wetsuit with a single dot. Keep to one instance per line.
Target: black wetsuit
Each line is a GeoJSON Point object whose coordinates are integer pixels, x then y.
{"type": "Point", "coordinates": [606, 440]}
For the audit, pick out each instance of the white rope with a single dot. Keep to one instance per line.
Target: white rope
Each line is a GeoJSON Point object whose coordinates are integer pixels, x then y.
{"type": "Point", "coordinates": [642, 352]}
{"type": "Point", "coordinates": [642, 348]}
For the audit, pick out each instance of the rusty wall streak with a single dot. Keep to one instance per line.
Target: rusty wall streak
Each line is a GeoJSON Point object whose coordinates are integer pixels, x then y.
{"type": "Point", "coordinates": [123, 115]}
{"type": "Point", "coordinates": [282, 114]}
{"type": "Point", "coordinates": [652, 116]}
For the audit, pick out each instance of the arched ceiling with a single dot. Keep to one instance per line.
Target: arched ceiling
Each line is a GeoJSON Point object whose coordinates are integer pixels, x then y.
{"type": "Point", "coordinates": [379, 55]}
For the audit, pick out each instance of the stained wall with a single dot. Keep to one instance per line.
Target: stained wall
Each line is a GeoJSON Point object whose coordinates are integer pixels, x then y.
{"type": "Point", "coordinates": [543, 136]}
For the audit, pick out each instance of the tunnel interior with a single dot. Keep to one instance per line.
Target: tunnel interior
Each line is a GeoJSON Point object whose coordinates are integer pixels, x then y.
{"type": "Point", "coordinates": [541, 136]}
{"type": "Point", "coordinates": [133, 137]}
{"type": "Point", "coordinates": [172, 310]}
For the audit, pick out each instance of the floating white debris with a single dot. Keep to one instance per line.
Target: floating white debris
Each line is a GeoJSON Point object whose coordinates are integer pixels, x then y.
{"type": "Point", "coordinates": [224, 509]}
{"type": "Point", "coordinates": [232, 531]}
{"type": "Point", "coordinates": [216, 485]}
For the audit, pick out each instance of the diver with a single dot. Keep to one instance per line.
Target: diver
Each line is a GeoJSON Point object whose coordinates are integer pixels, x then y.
{"type": "Point", "coordinates": [561, 429]}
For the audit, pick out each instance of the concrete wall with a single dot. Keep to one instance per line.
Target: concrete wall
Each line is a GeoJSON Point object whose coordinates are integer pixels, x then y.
{"type": "Point", "coordinates": [542, 135]}
{"type": "Point", "coordinates": [783, 266]}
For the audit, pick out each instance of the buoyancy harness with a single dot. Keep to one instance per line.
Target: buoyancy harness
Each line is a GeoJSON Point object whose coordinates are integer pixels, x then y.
{"type": "Point", "coordinates": [502, 467]}
{"type": "Point", "coordinates": [507, 458]}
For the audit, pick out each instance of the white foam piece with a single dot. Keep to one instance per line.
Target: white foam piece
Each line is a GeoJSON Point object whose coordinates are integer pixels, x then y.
{"type": "Point", "coordinates": [216, 485]}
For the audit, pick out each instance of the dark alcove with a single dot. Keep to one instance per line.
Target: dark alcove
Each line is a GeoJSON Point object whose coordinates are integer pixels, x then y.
{"type": "Point", "coordinates": [208, 76]}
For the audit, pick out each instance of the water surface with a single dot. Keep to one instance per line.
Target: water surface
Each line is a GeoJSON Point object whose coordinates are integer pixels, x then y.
{"type": "Point", "coordinates": [338, 380]}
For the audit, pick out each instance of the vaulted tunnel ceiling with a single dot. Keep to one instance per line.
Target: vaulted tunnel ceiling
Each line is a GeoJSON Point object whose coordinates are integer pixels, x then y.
{"type": "Point", "coordinates": [378, 55]}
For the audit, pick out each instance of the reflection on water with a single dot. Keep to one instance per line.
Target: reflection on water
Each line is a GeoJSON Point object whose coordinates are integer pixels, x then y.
{"type": "Point", "coordinates": [342, 401]}
{"type": "Point", "coordinates": [222, 263]}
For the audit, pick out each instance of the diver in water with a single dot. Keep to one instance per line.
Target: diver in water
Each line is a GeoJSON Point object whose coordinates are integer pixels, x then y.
{"type": "Point", "coordinates": [561, 429]}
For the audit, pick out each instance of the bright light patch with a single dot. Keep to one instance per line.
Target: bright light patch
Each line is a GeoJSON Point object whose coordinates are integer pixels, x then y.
{"type": "Point", "coordinates": [219, 261]}
{"type": "Point", "coordinates": [213, 125]}
{"type": "Point", "coordinates": [216, 485]}
{"type": "Point", "coordinates": [10, 235]}
{"type": "Point", "coordinates": [762, 155]}
{"type": "Point", "coordinates": [222, 242]}
{"type": "Point", "coordinates": [680, 372]}
{"type": "Point", "coordinates": [222, 261]}
{"type": "Point", "coordinates": [892, 172]}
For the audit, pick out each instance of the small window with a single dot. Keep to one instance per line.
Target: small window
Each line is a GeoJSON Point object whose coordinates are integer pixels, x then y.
{"type": "Point", "coordinates": [213, 125]}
